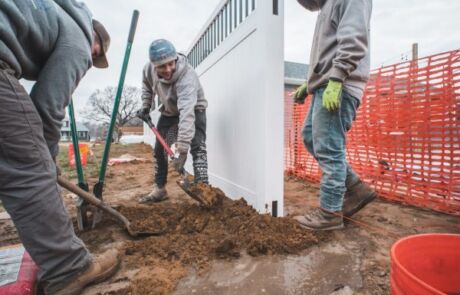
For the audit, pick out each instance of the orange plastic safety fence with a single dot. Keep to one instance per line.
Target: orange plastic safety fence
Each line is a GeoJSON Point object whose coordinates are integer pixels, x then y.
{"type": "Point", "coordinates": [405, 141]}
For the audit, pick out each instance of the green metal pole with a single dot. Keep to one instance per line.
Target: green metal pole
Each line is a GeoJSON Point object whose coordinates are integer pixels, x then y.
{"type": "Point", "coordinates": [76, 148]}
{"type": "Point", "coordinates": [98, 188]}
{"type": "Point", "coordinates": [82, 217]}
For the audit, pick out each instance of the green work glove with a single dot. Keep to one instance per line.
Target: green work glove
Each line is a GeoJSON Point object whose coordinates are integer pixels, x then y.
{"type": "Point", "coordinates": [331, 96]}
{"type": "Point", "coordinates": [300, 94]}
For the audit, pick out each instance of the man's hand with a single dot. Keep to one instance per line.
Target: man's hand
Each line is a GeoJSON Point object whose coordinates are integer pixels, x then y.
{"type": "Point", "coordinates": [179, 162]}
{"type": "Point", "coordinates": [180, 159]}
{"type": "Point", "coordinates": [300, 94]}
{"type": "Point", "coordinates": [143, 113]}
{"type": "Point", "coordinates": [331, 95]}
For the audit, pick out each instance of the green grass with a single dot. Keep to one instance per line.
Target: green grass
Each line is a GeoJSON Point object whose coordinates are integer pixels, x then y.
{"type": "Point", "coordinates": [91, 170]}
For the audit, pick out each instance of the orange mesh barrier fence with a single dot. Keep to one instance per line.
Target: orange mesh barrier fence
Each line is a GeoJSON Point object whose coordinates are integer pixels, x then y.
{"type": "Point", "coordinates": [405, 141]}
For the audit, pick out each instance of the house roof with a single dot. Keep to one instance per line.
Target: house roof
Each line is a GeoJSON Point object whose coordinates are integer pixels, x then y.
{"type": "Point", "coordinates": [295, 73]}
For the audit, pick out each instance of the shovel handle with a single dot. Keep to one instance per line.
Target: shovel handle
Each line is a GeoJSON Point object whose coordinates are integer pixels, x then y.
{"type": "Point", "coordinates": [163, 142]}
{"type": "Point", "coordinates": [132, 28]}
{"type": "Point", "coordinates": [91, 199]}
{"type": "Point", "coordinates": [148, 121]}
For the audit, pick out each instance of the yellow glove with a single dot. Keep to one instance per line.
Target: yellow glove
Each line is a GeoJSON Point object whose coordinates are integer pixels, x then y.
{"type": "Point", "coordinates": [300, 94]}
{"type": "Point", "coordinates": [331, 96]}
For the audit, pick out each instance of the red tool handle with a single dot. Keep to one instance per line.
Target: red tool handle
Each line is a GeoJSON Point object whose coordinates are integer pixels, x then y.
{"type": "Point", "coordinates": [162, 141]}
{"type": "Point", "coordinates": [146, 118]}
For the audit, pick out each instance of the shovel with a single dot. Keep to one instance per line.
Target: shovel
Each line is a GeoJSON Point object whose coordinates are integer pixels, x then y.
{"type": "Point", "coordinates": [184, 183]}
{"type": "Point", "coordinates": [104, 207]}
{"type": "Point", "coordinates": [82, 206]}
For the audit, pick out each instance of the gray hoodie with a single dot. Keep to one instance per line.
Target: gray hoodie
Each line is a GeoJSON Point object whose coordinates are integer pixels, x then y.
{"type": "Point", "coordinates": [340, 49]}
{"type": "Point", "coordinates": [179, 96]}
{"type": "Point", "coordinates": [48, 42]}
{"type": "Point", "coordinates": [33, 31]}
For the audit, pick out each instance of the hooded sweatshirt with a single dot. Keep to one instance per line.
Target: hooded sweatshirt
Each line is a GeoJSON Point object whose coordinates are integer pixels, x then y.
{"type": "Point", "coordinates": [179, 96]}
{"type": "Point", "coordinates": [32, 31]}
{"type": "Point", "coordinates": [48, 42]}
{"type": "Point", "coordinates": [340, 49]}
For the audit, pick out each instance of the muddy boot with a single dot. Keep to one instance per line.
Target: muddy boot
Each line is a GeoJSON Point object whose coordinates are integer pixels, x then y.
{"type": "Point", "coordinates": [157, 195]}
{"type": "Point", "coordinates": [356, 197]}
{"type": "Point", "coordinates": [319, 219]}
{"type": "Point", "coordinates": [101, 268]}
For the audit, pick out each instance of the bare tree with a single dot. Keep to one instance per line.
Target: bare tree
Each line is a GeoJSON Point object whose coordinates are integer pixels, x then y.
{"type": "Point", "coordinates": [100, 106]}
{"type": "Point", "coordinates": [95, 129]}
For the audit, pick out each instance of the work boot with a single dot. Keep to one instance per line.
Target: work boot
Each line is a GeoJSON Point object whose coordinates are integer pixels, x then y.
{"type": "Point", "coordinates": [319, 219]}
{"type": "Point", "coordinates": [158, 194]}
{"type": "Point", "coordinates": [356, 197]}
{"type": "Point", "coordinates": [101, 268]}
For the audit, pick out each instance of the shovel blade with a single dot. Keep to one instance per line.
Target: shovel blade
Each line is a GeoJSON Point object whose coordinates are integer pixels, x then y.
{"type": "Point", "coordinates": [204, 194]}
{"type": "Point", "coordinates": [185, 186]}
{"type": "Point", "coordinates": [185, 183]}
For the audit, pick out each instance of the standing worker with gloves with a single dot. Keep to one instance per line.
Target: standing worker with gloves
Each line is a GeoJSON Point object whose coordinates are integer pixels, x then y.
{"type": "Point", "coordinates": [52, 43]}
{"type": "Point", "coordinates": [183, 113]}
{"type": "Point", "coordinates": [339, 70]}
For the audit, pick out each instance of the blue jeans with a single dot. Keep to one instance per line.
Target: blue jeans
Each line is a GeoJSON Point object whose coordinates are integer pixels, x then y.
{"type": "Point", "coordinates": [324, 135]}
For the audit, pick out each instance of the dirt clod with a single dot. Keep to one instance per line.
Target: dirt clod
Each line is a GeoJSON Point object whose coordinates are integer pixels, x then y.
{"type": "Point", "coordinates": [209, 196]}
{"type": "Point", "coordinates": [146, 220]}
{"type": "Point", "coordinates": [227, 249]}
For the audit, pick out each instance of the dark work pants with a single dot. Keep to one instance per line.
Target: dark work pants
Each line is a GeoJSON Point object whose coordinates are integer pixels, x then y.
{"type": "Point", "coordinates": [29, 192]}
{"type": "Point", "coordinates": [168, 128]}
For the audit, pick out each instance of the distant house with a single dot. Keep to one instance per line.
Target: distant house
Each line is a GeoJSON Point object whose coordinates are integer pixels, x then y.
{"type": "Point", "coordinates": [295, 75]}
{"type": "Point", "coordinates": [82, 131]}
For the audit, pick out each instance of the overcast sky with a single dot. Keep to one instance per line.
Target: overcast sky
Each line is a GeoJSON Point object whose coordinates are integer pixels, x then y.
{"type": "Point", "coordinates": [396, 24]}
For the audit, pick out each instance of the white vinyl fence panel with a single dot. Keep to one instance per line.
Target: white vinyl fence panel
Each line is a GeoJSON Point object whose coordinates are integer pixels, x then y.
{"type": "Point", "coordinates": [239, 57]}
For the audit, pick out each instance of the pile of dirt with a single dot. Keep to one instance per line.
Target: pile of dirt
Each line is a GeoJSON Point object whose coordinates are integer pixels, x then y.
{"type": "Point", "coordinates": [233, 226]}
{"type": "Point", "coordinates": [193, 235]}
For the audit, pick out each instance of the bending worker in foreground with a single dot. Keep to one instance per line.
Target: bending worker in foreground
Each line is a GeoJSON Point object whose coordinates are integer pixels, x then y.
{"type": "Point", "coordinates": [52, 43]}
{"type": "Point", "coordinates": [339, 70]}
{"type": "Point", "coordinates": [183, 113]}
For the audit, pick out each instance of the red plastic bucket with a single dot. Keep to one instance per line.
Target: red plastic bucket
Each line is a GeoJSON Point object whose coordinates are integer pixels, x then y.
{"type": "Point", "coordinates": [19, 270]}
{"type": "Point", "coordinates": [426, 264]}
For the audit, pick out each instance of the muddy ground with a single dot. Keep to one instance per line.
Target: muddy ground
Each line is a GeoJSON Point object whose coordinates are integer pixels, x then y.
{"type": "Point", "coordinates": [233, 250]}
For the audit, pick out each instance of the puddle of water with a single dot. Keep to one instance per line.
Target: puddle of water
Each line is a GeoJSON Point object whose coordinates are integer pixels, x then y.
{"type": "Point", "coordinates": [318, 271]}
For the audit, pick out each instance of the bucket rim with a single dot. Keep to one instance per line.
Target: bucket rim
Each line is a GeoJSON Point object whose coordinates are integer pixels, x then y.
{"type": "Point", "coordinates": [396, 261]}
